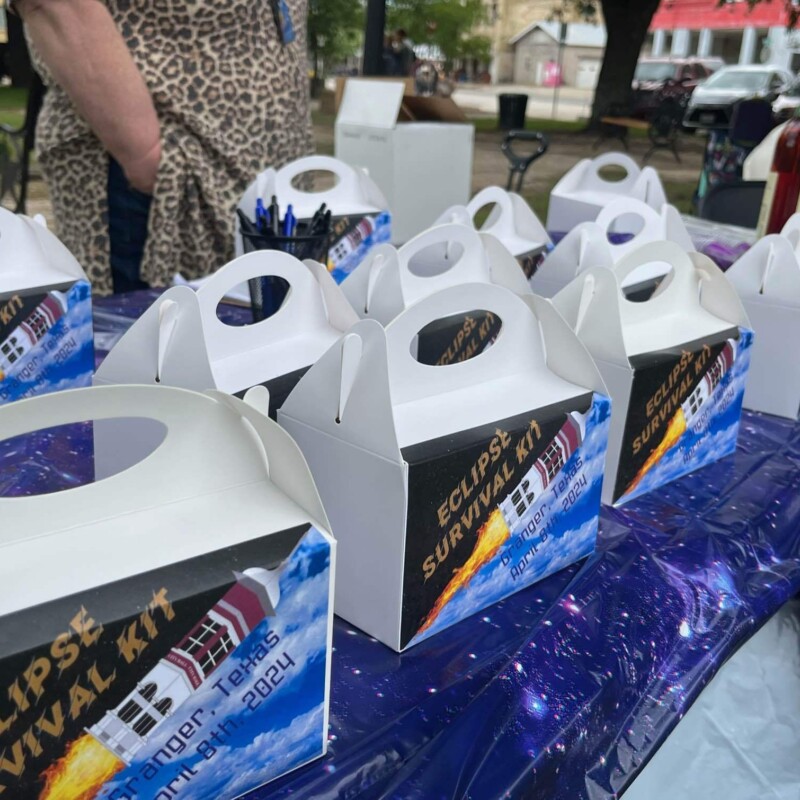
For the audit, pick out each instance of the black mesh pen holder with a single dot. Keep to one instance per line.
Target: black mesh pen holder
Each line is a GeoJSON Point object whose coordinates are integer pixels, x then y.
{"type": "Point", "coordinates": [268, 293]}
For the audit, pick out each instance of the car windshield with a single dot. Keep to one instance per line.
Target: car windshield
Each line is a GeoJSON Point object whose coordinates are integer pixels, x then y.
{"type": "Point", "coordinates": [737, 79]}
{"type": "Point", "coordinates": [654, 71]}
{"type": "Point", "coordinates": [793, 90]}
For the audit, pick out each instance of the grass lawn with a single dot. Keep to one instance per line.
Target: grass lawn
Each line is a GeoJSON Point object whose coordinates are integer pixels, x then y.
{"type": "Point", "coordinates": [489, 124]}
{"type": "Point", "coordinates": [12, 105]}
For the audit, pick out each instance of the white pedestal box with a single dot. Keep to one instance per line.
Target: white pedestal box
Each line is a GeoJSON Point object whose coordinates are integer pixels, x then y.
{"type": "Point", "coordinates": [421, 167]}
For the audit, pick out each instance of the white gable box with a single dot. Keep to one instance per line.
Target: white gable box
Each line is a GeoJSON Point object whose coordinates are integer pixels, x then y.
{"type": "Point", "coordinates": [390, 280]}
{"type": "Point", "coordinates": [589, 245]}
{"type": "Point", "coordinates": [46, 339]}
{"type": "Point", "coordinates": [583, 193]}
{"type": "Point", "coordinates": [360, 213]}
{"type": "Point", "coordinates": [675, 365]}
{"type": "Point", "coordinates": [511, 221]}
{"type": "Point", "coordinates": [450, 487]}
{"type": "Point", "coordinates": [145, 594]}
{"type": "Point", "coordinates": [180, 341]}
{"type": "Point", "coordinates": [767, 279]}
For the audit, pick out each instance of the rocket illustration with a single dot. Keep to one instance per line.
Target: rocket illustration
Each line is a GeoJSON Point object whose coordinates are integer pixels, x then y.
{"type": "Point", "coordinates": [714, 375]}
{"type": "Point", "coordinates": [124, 730]}
{"type": "Point", "coordinates": [350, 242]}
{"type": "Point", "coordinates": [544, 470]}
{"type": "Point", "coordinates": [31, 330]}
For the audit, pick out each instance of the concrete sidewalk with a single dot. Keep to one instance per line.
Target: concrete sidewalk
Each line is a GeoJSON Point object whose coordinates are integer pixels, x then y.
{"type": "Point", "coordinates": [573, 104]}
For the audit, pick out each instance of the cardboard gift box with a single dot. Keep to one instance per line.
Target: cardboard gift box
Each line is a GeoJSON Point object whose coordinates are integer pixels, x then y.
{"type": "Point", "coordinates": [451, 487]}
{"type": "Point", "coordinates": [510, 220]}
{"type": "Point", "coordinates": [418, 150]}
{"type": "Point", "coordinates": [180, 341]}
{"type": "Point", "coordinates": [391, 279]}
{"type": "Point", "coordinates": [767, 279]}
{"type": "Point", "coordinates": [675, 365]}
{"type": "Point", "coordinates": [45, 312]}
{"type": "Point", "coordinates": [360, 214]}
{"type": "Point", "coordinates": [583, 192]}
{"type": "Point", "coordinates": [165, 631]}
{"type": "Point", "coordinates": [594, 244]}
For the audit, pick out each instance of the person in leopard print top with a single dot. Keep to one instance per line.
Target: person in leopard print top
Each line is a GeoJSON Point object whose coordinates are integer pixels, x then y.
{"type": "Point", "coordinates": [187, 99]}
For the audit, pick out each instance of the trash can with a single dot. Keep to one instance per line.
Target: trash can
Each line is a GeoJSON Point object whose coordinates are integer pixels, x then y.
{"type": "Point", "coordinates": [512, 111]}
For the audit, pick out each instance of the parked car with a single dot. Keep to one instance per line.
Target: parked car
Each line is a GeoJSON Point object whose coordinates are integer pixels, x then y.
{"type": "Point", "coordinates": [674, 77]}
{"type": "Point", "coordinates": [711, 104]}
{"type": "Point", "coordinates": [787, 103]}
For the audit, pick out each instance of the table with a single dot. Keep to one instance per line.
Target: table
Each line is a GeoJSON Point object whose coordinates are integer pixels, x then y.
{"type": "Point", "coordinates": [618, 127]}
{"type": "Point", "coordinates": [564, 690]}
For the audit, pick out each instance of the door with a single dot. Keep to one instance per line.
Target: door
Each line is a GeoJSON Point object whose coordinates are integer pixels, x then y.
{"type": "Point", "coordinates": [588, 71]}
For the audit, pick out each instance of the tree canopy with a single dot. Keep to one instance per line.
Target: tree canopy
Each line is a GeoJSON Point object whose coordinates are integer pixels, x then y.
{"type": "Point", "coordinates": [335, 29]}
{"type": "Point", "coordinates": [449, 25]}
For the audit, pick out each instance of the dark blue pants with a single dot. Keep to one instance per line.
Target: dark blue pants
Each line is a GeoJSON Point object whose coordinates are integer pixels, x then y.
{"type": "Point", "coordinates": [128, 211]}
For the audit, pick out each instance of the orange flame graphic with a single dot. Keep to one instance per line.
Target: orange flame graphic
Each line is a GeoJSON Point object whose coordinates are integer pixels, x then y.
{"type": "Point", "coordinates": [491, 537]}
{"type": "Point", "coordinates": [675, 429]}
{"type": "Point", "coordinates": [81, 772]}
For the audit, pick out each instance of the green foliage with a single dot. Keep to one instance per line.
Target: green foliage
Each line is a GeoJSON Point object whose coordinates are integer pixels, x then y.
{"type": "Point", "coordinates": [335, 29]}
{"type": "Point", "coordinates": [447, 24]}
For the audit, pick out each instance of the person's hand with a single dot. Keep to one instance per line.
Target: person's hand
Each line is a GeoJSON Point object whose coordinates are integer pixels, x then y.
{"type": "Point", "coordinates": [141, 172]}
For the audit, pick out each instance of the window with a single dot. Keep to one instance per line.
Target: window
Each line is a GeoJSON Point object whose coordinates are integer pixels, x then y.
{"type": "Point", "coordinates": [715, 372]}
{"type": "Point", "coordinates": [129, 711]}
{"type": "Point", "coordinates": [695, 400]}
{"type": "Point", "coordinates": [38, 324]}
{"type": "Point", "coordinates": [216, 653]}
{"type": "Point", "coordinates": [201, 636]}
{"type": "Point", "coordinates": [144, 725]}
{"type": "Point", "coordinates": [163, 706]}
{"type": "Point", "coordinates": [11, 349]}
{"type": "Point", "coordinates": [148, 691]}
{"type": "Point", "coordinates": [522, 498]}
{"type": "Point", "coordinates": [553, 459]}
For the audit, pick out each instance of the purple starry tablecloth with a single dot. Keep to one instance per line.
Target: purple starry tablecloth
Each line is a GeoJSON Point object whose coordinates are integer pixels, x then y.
{"type": "Point", "coordinates": [723, 244]}
{"type": "Point", "coordinates": [566, 689]}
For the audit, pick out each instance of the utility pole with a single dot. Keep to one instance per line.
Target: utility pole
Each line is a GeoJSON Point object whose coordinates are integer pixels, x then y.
{"type": "Point", "coordinates": [562, 40]}
{"type": "Point", "coordinates": [373, 38]}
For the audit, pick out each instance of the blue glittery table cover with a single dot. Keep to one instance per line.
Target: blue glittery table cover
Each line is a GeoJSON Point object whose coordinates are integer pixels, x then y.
{"type": "Point", "coordinates": [566, 689]}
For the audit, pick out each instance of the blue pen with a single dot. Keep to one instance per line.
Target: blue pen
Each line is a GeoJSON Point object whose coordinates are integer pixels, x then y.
{"type": "Point", "coordinates": [261, 213]}
{"type": "Point", "coordinates": [289, 222]}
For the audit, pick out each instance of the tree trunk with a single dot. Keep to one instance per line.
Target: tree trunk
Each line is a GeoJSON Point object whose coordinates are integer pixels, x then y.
{"type": "Point", "coordinates": [627, 22]}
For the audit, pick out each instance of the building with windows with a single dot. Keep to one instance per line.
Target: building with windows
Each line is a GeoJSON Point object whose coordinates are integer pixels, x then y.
{"type": "Point", "coordinates": [525, 38]}
{"type": "Point", "coordinates": [525, 42]}
{"type": "Point", "coordinates": [530, 489]}
{"type": "Point", "coordinates": [124, 730]}
{"type": "Point", "coordinates": [733, 32]}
